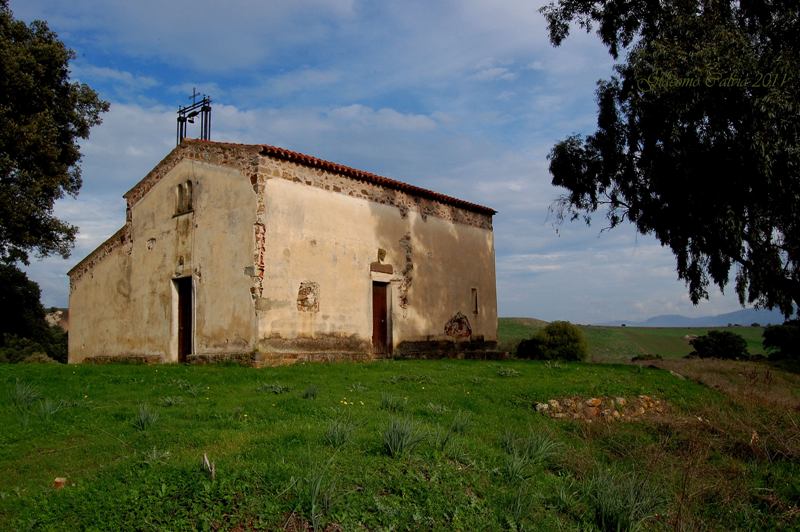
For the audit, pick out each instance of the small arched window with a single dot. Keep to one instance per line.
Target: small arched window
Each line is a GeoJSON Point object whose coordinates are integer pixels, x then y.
{"type": "Point", "coordinates": [183, 198]}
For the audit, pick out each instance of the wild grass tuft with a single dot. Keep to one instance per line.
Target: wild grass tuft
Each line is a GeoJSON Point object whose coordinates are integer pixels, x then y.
{"type": "Point", "coordinates": [186, 386]}
{"type": "Point", "coordinates": [391, 403]}
{"type": "Point", "coordinates": [419, 379]}
{"type": "Point", "coordinates": [507, 372]}
{"type": "Point", "coordinates": [567, 496]}
{"type": "Point", "coordinates": [316, 494]}
{"type": "Point", "coordinates": [155, 456]}
{"type": "Point", "coordinates": [357, 387]}
{"type": "Point", "coordinates": [540, 448]}
{"type": "Point", "coordinates": [515, 467]}
{"type": "Point", "coordinates": [519, 506]}
{"type": "Point", "coordinates": [461, 422]}
{"type": "Point", "coordinates": [310, 392]}
{"type": "Point", "coordinates": [401, 437]}
{"type": "Point", "coordinates": [338, 433]}
{"type": "Point", "coordinates": [145, 417]}
{"type": "Point", "coordinates": [23, 395]}
{"type": "Point", "coordinates": [458, 452]}
{"type": "Point", "coordinates": [171, 400]}
{"type": "Point", "coordinates": [459, 425]}
{"type": "Point", "coordinates": [274, 387]}
{"type": "Point", "coordinates": [437, 409]}
{"type": "Point", "coordinates": [49, 408]}
{"type": "Point", "coordinates": [532, 450]}
{"type": "Point", "coordinates": [441, 438]}
{"type": "Point", "coordinates": [622, 501]}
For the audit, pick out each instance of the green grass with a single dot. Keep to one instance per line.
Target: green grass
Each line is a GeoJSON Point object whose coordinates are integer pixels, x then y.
{"type": "Point", "coordinates": [619, 344]}
{"type": "Point", "coordinates": [466, 451]}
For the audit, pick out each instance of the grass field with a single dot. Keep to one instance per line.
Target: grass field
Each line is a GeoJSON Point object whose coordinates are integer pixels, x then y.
{"type": "Point", "coordinates": [386, 445]}
{"type": "Point", "coordinates": [620, 344]}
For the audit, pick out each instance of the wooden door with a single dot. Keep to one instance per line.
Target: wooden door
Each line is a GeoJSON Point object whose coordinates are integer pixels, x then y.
{"type": "Point", "coordinates": [380, 319]}
{"type": "Point", "coordinates": [185, 308]}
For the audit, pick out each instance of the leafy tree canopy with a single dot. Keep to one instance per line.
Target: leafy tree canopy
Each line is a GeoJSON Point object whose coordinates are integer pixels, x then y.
{"type": "Point", "coordinates": [783, 341]}
{"type": "Point", "coordinates": [42, 116]}
{"type": "Point", "coordinates": [559, 340]}
{"type": "Point", "coordinates": [697, 137]}
{"type": "Point", "coordinates": [720, 344]}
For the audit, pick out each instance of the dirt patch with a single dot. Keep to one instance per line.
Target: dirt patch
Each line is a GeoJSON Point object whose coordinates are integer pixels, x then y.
{"type": "Point", "coordinates": [603, 408]}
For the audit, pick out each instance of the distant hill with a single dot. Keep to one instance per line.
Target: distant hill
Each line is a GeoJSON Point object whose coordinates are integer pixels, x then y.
{"type": "Point", "coordinates": [739, 317]}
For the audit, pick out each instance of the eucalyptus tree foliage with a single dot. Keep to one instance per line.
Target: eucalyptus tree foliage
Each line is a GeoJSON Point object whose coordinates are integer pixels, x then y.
{"type": "Point", "coordinates": [697, 140]}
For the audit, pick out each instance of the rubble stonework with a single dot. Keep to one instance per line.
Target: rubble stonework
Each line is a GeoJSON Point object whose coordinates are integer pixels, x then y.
{"type": "Point", "coordinates": [308, 297]}
{"type": "Point", "coordinates": [408, 269]}
{"type": "Point", "coordinates": [458, 326]}
{"type": "Point", "coordinates": [602, 408]}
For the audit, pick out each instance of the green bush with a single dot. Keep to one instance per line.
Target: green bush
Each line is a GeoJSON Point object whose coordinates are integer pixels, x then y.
{"type": "Point", "coordinates": [720, 344]}
{"type": "Point", "coordinates": [560, 340]}
{"type": "Point", "coordinates": [782, 341]}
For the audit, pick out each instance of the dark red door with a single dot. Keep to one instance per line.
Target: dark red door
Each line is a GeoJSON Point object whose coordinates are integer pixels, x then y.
{"type": "Point", "coordinates": [184, 286]}
{"type": "Point", "coordinates": [380, 321]}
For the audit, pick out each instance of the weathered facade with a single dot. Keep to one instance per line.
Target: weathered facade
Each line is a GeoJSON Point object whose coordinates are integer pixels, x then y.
{"type": "Point", "coordinates": [256, 252]}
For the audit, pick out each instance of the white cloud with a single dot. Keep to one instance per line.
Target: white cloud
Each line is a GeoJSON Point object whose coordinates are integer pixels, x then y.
{"type": "Point", "coordinates": [494, 73]}
{"type": "Point", "coordinates": [363, 116]}
{"type": "Point", "coordinates": [121, 77]}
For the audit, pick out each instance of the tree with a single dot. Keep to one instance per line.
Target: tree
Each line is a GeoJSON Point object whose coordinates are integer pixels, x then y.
{"type": "Point", "coordinates": [783, 341]}
{"type": "Point", "coordinates": [42, 116]}
{"type": "Point", "coordinates": [720, 344]}
{"type": "Point", "coordinates": [697, 138]}
{"type": "Point", "coordinates": [23, 329]}
{"type": "Point", "coordinates": [21, 312]}
{"type": "Point", "coordinates": [559, 340]}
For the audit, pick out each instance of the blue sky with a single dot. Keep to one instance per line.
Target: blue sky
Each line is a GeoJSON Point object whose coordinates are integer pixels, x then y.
{"type": "Point", "coordinates": [465, 97]}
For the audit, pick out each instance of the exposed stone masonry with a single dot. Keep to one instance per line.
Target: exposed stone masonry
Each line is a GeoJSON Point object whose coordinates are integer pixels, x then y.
{"type": "Point", "coordinates": [602, 408]}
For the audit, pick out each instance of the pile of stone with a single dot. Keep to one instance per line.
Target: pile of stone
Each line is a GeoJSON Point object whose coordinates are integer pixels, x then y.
{"type": "Point", "coordinates": [602, 408]}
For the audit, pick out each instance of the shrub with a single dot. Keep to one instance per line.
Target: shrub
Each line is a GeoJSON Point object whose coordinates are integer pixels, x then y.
{"type": "Point", "coordinates": [782, 341]}
{"type": "Point", "coordinates": [39, 358]}
{"type": "Point", "coordinates": [720, 344]}
{"type": "Point", "coordinates": [16, 349]}
{"type": "Point", "coordinates": [560, 340]}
